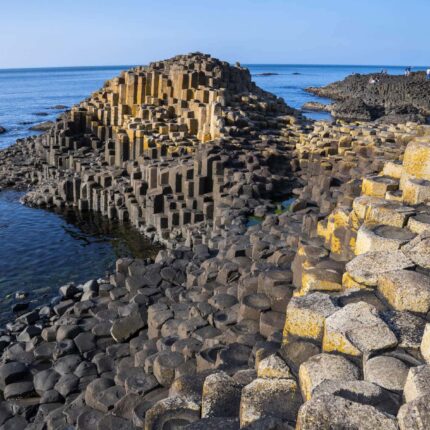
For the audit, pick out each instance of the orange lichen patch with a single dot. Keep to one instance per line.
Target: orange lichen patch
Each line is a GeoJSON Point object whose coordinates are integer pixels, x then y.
{"type": "Point", "coordinates": [337, 342]}
{"type": "Point", "coordinates": [416, 160]}
{"type": "Point", "coordinates": [349, 283]}
{"type": "Point", "coordinates": [377, 186]}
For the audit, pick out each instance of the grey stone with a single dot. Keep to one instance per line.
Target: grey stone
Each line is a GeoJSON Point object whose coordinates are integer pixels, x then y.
{"type": "Point", "coordinates": [221, 396]}
{"type": "Point", "coordinates": [331, 412]}
{"type": "Point", "coordinates": [126, 327]}
{"type": "Point", "coordinates": [415, 415]}
{"type": "Point", "coordinates": [387, 372]}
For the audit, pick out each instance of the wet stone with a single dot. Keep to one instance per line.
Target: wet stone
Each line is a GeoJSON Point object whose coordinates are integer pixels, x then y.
{"type": "Point", "coordinates": [18, 389]}
{"type": "Point", "coordinates": [12, 372]}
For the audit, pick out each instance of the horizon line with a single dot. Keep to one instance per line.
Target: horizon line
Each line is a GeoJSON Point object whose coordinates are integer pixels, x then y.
{"type": "Point", "coordinates": [244, 64]}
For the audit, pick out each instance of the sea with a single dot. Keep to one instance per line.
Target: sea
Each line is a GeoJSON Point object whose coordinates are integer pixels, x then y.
{"type": "Point", "coordinates": [41, 250]}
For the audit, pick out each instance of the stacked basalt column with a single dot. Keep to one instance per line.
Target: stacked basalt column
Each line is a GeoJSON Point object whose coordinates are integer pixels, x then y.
{"type": "Point", "coordinates": [168, 101]}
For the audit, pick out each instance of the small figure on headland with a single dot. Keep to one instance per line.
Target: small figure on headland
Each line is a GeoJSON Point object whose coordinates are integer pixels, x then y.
{"type": "Point", "coordinates": [408, 71]}
{"type": "Point", "coordinates": [428, 74]}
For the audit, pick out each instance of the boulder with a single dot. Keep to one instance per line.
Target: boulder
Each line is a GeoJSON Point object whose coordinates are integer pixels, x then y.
{"type": "Point", "coordinates": [221, 396]}
{"type": "Point", "coordinates": [362, 392]}
{"type": "Point", "coordinates": [278, 398]}
{"type": "Point", "coordinates": [328, 412]}
{"type": "Point", "coordinates": [123, 328]}
{"type": "Point", "coordinates": [323, 367]}
{"type": "Point", "coordinates": [415, 415]}
{"type": "Point", "coordinates": [417, 383]}
{"type": "Point", "coordinates": [306, 316]}
{"type": "Point", "coordinates": [406, 290]}
{"type": "Point", "coordinates": [387, 372]}
{"type": "Point", "coordinates": [172, 412]}
{"type": "Point", "coordinates": [356, 329]}
{"type": "Point", "coordinates": [366, 268]}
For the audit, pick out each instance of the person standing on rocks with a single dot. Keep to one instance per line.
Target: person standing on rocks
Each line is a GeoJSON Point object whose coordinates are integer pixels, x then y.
{"type": "Point", "coordinates": [428, 74]}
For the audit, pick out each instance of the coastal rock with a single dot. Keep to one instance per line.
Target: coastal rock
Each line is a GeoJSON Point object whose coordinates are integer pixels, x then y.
{"type": "Point", "coordinates": [387, 372]}
{"type": "Point", "coordinates": [316, 106]}
{"type": "Point", "coordinates": [329, 411]}
{"type": "Point", "coordinates": [323, 367]}
{"type": "Point", "coordinates": [269, 272]}
{"type": "Point", "coordinates": [399, 98]}
{"type": "Point", "coordinates": [43, 126]}
{"type": "Point", "coordinates": [269, 397]}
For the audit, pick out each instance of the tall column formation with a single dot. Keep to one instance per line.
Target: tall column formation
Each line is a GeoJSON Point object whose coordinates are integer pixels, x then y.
{"type": "Point", "coordinates": [157, 144]}
{"type": "Point", "coordinates": [178, 101]}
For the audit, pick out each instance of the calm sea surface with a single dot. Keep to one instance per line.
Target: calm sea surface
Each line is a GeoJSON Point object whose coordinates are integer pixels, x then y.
{"type": "Point", "coordinates": [40, 250]}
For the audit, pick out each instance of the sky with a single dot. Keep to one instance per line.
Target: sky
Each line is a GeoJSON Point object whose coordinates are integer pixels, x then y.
{"type": "Point", "coordinates": [44, 33]}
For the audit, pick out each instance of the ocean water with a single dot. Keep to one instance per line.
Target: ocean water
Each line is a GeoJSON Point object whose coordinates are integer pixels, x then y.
{"type": "Point", "coordinates": [41, 250]}
{"type": "Point", "coordinates": [28, 96]}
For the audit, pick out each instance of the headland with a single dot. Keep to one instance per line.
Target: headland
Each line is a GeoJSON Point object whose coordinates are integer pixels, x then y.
{"type": "Point", "coordinates": [379, 96]}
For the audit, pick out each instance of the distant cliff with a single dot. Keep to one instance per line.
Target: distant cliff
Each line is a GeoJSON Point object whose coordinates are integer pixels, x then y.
{"type": "Point", "coordinates": [379, 96]}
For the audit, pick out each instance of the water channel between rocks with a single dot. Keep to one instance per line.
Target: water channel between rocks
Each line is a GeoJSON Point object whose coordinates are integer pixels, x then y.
{"type": "Point", "coordinates": [41, 250]}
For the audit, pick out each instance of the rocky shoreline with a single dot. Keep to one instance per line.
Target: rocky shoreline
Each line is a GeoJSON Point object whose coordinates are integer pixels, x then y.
{"type": "Point", "coordinates": [316, 317]}
{"type": "Point", "coordinates": [378, 96]}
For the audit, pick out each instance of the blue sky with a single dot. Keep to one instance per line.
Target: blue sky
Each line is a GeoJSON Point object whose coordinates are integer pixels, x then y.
{"type": "Point", "coordinates": [105, 32]}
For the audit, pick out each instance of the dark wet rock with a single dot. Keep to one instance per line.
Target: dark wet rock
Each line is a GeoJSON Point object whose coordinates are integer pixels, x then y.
{"type": "Point", "coordinates": [45, 380]}
{"type": "Point", "coordinates": [88, 420]}
{"type": "Point", "coordinates": [316, 106]}
{"type": "Point", "coordinates": [12, 372]}
{"type": "Point", "coordinates": [15, 423]}
{"type": "Point", "coordinates": [67, 384]}
{"type": "Point", "coordinates": [267, 74]}
{"type": "Point", "coordinates": [125, 327]}
{"type": "Point", "coordinates": [19, 307]}
{"type": "Point", "coordinates": [170, 412]}
{"type": "Point", "coordinates": [18, 390]}
{"type": "Point", "coordinates": [214, 424]}
{"type": "Point", "coordinates": [6, 412]}
{"type": "Point", "coordinates": [378, 95]}
{"type": "Point", "coordinates": [43, 126]}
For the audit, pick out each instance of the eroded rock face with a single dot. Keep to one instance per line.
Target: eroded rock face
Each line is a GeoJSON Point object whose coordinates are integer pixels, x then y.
{"type": "Point", "coordinates": [256, 308]}
{"type": "Point", "coordinates": [368, 97]}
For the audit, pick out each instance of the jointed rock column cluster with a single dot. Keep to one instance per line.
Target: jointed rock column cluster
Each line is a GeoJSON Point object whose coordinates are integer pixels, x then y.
{"type": "Point", "coordinates": [315, 317]}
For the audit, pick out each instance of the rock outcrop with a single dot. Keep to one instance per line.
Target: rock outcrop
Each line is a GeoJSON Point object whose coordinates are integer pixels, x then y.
{"type": "Point", "coordinates": [314, 316]}
{"type": "Point", "coordinates": [379, 96]}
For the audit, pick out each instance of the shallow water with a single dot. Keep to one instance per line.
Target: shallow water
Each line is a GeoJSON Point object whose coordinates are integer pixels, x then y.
{"type": "Point", "coordinates": [41, 250]}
